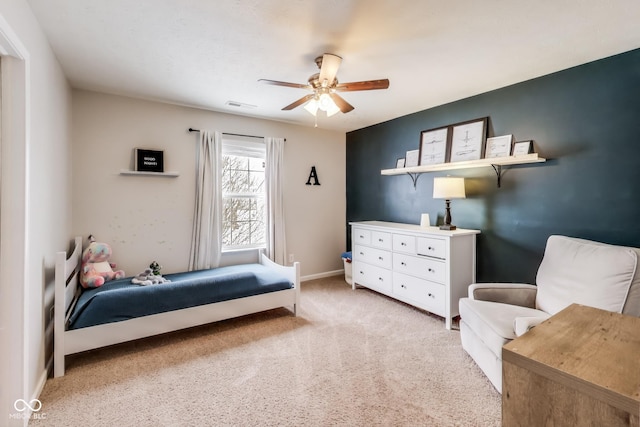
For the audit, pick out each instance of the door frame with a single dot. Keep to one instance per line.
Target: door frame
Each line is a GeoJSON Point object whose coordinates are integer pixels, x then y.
{"type": "Point", "coordinates": [14, 220]}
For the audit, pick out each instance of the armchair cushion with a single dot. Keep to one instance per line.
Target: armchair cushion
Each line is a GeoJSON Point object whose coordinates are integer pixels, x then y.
{"type": "Point", "coordinates": [507, 293]}
{"type": "Point", "coordinates": [584, 272]}
{"type": "Point", "coordinates": [494, 321]}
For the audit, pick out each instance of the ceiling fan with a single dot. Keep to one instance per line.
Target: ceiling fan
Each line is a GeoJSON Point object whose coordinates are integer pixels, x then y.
{"type": "Point", "coordinates": [325, 85]}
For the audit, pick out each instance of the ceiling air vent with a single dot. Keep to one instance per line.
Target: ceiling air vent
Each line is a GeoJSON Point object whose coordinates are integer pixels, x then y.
{"type": "Point", "coordinates": [239, 104]}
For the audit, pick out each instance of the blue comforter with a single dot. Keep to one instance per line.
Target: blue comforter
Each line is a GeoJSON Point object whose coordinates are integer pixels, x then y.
{"type": "Point", "coordinates": [119, 300]}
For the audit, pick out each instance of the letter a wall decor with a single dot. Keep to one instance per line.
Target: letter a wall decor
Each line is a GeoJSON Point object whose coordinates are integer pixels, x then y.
{"type": "Point", "coordinates": [313, 175]}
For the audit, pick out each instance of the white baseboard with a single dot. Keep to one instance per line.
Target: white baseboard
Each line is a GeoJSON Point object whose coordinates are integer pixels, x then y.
{"type": "Point", "coordinates": [28, 413]}
{"type": "Point", "coordinates": [41, 382]}
{"type": "Point", "coordinates": [322, 275]}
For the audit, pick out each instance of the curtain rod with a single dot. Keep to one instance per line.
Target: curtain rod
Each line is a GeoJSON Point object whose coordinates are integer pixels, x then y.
{"type": "Point", "coordinates": [231, 134]}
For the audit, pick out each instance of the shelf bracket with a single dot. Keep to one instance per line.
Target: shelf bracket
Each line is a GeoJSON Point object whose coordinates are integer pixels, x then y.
{"type": "Point", "coordinates": [498, 171]}
{"type": "Point", "coordinates": [414, 177]}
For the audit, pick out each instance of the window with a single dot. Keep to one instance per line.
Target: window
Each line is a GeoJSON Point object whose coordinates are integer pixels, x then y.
{"type": "Point", "coordinates": [243, 194]}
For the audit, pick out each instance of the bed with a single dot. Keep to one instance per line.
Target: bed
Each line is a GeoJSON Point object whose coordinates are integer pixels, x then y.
{"type": "Point", "coordinates": [120, 311]}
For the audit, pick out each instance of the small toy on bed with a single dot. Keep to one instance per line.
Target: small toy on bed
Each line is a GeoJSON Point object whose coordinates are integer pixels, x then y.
{"type": "Point", "coordinates": [147, 278]}
{"type": "Point", "coordinates": [95, 268]}
{"type": "Point", "coordinates": [155, 267]}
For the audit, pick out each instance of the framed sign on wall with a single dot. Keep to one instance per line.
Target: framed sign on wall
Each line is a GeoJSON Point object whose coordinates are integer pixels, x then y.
{"type": "Point", "coordinates": [149, 160]}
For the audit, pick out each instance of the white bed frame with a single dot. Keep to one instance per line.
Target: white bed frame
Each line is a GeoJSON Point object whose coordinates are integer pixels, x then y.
{"type": "Point", "coordinates": [67, 290]}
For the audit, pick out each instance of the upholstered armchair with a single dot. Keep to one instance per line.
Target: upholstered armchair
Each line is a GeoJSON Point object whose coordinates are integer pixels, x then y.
{"type": "Point", "coordinates": [572, 271]}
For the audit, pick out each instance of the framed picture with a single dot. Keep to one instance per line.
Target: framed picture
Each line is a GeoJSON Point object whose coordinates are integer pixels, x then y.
{"type": "Point", "coordinates": [412, 158]}
{"type": "Point", "coordinates": [148, 160]}
{"type": "Point", "coordinates": [522, 147]}
{"type": "Point", "coordinates": [468, 139]}
{"type": "Point", "coordinates": [400, 163]}
{"type": "Point", "coordinates": [433, 146]}
{"type": "Point", "coordinates": [498, 146]}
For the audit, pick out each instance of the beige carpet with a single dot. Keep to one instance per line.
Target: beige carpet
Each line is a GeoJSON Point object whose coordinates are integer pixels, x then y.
{"type": "Point", "coordinates": [351, 358]}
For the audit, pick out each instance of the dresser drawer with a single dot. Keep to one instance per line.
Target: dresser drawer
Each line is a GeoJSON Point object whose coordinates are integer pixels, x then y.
{"type": "Point", "coordinates": [381, 240]}
{"type": "Point", "coordinates": [362, 236]}
{"type": "Point", "coordinates": [372, 276]}
{"type": "Point", "coordinates": [424, 268]}
{"type": "Point", "coordinates": [404, 243]}
{"type": "Point", "coordinates": [429, 246]}
{"type": "Point", "coordinates": [372, 256]}
{"type": "Point", "coordinates": [427, 295]}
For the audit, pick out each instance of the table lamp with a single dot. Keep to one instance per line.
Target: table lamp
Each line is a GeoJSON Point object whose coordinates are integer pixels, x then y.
{"type": "Point", "coordinates": [448, 188]}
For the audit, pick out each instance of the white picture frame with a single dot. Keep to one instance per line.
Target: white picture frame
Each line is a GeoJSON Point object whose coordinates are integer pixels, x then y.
{"type": "Point", "coordinates": [400, 163]}
{"type": "Point", "coordinates": [498, 146]}
{"type": "Point", "coordinates": [433, 146]}
{"type": "Point", "coordinates": [468, 139]}
{"type": "Point", "coordinates": [412, 158]}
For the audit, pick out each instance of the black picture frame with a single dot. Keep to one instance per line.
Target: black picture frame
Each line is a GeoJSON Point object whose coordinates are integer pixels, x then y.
{"type": "Point", "coordinates": [521, 148]}
{"type": "Point", "coordinates": [434, 146]}
{"type": "Point", "coordinates": [148, 160]}
{"type": "Point", "coordinates": [468, 140]}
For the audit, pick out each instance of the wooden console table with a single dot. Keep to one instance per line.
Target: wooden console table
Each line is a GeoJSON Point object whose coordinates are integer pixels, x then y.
{"type": "Point", "coordinates": [581, 367]}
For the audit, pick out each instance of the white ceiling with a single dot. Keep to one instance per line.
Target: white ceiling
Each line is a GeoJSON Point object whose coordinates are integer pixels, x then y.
{"type": "Point", "coordinates": [203, 53]}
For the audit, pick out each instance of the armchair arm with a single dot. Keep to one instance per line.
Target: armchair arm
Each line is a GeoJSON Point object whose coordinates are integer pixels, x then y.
{"type": "Point", "coordinates": [522, 325]}
{"type": "Point", "coordinates": [507, 293]}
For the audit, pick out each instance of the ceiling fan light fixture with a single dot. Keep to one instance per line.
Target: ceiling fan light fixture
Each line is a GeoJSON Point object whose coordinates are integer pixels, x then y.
{"type": "Point", "coordinates": [325, 102]}
{"type": "Point", "coordinates": [333, 109]}
{"type": "Point", "coordinates": [323, 87]}
{"type": "Point", "coordinates": [312, 107]}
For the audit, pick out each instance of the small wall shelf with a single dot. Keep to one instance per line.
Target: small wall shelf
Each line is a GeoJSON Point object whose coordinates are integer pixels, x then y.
{"type": "Point", "coordinates": [496, 162]}
{"type": "Point", "coordinates": [168, 174]}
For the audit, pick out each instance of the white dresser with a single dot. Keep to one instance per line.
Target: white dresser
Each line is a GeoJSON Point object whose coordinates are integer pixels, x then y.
{"type": "Point", "coordinates": [428, 268]}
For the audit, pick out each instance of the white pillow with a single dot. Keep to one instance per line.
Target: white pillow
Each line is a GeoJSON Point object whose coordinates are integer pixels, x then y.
{"type": "Point", "coordinates": [584, 272]}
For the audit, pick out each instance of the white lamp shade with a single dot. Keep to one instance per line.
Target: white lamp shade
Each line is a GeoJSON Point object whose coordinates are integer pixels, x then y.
{"type": "Point", "coordinates": [312, 107]}
{"type": "Point", "coordinates": [448, 187]}
{"type": "Point", "coordinates": [332, 109]}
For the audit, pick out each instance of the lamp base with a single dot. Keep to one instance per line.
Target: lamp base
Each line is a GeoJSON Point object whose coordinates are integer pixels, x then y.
{"type": "Point", "coordinates": [447, 227]}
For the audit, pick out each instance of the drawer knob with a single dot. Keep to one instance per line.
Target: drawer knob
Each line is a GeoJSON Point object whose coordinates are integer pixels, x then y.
{"type": "Point", "coordinates": [430, 248]}
{"type": "Point", "coordinates": [430, 294]}
{"type": "Point", "coordinates": [380, 240]}
{"type": "Point", "coordinates": [431, 270]}
{"type": "Point", "coordinates": [403, 244]}
{"type": "Point", "coordinates": [403, 263]}
{"type": "Point", "coordinates": [403, 286]}
{"type": "Point", "coordinates": [380, 258]}
{"type": "Point", "coordinates": [381, 279]}
{"type": "Point", "coordinates": [361, 253]}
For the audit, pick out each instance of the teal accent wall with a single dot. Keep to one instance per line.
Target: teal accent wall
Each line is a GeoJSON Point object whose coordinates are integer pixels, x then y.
{"type": "Point", "coordinates": [585, 121]}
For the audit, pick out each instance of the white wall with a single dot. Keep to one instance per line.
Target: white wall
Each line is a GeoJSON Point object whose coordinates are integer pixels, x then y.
{"type": "Point", "coordinates": [41, 168]}
{"type": "Point", "coordinates": [149, 218]}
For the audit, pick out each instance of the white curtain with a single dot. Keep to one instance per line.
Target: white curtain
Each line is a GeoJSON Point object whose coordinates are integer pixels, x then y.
{"type": "Point", "coordinates": [274, 181]}
{"type": "Point", "coordinates": [206, 238]}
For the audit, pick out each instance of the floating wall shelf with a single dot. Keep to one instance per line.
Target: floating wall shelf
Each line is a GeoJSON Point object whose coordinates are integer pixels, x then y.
{"type": "Point", "coordinates": [168, 174]}
{"type": "Point", "coordinates": [496, 162]}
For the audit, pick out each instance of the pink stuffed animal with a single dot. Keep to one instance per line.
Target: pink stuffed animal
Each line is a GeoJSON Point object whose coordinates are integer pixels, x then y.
{"type": "Point", "coordinates": [96, 268]}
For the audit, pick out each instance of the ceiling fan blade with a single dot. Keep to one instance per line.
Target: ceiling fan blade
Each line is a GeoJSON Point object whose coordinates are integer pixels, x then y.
{"type": "Point", "coordinates": [277, 83]}
{"type": "Point", "coordinates": [329, 68]}
{"type": "Point", "coordinates": [299, 102]}
{"type": "Point", "coordinates": [343, 105]}
{"type": "Point", "coordinates": [366, 85]}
